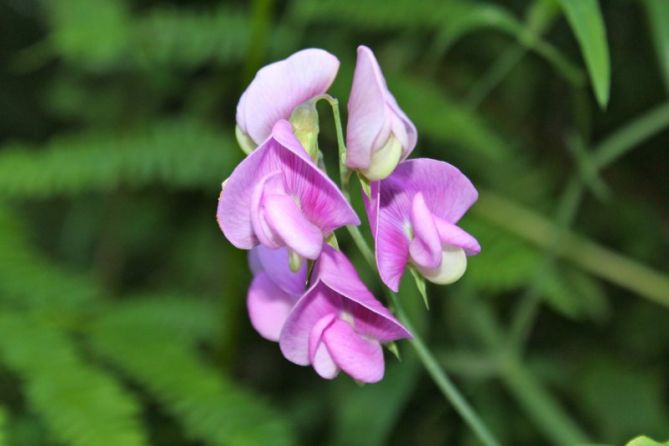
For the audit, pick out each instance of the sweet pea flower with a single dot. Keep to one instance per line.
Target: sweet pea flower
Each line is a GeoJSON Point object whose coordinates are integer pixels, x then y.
{"type": "Point", "coordinates": [277, 197]}
{"type": "Point", "coordinates": [278, 89]}
{"type": "Point", "coordinates": [274, 290]}
{"type": "Point", "coordinates": [338, 324]}
{"type": "Point", "coordinates": [413, 213]}
{"type": "Point", "coordinates": [378, 133]}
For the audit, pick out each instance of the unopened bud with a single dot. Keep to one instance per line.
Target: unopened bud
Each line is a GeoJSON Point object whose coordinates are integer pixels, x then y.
{"type": "Point", "coordinates": [304, 120]}
{"type": "Point", "coordinates": [384, 160]}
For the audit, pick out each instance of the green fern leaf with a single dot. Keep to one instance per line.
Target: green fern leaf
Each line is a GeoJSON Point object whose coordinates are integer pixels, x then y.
{"type": "Point", "coordinates": [210, 408]}
{"type": "Point", "coordinates": [80, 404]}
{"type": "Point", "coordinates": [174, 153]}
{"type": "Point", "coordinates": [29, 280]}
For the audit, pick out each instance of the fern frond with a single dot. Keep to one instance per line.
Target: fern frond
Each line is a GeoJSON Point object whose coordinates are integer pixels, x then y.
{"type": "Point", "coordinates": [210, 408]}
{"type": "Point", "coordinates": [186, 318]}
{"type": "Point", "coordinates": [173, 153]}
{"type": "Point", "coordinates": [219, 36]}
{"type": "Point", "coordinates": [80, 405]}
{"type": "Point", "coordinates": [28, 279]}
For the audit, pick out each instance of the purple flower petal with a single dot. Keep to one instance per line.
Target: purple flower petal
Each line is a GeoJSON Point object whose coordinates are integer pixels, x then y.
{"type": "Point", "coordinates": [335, 271]}
{"type": "Point", "coordinates": [318, 353]}
{"type": "Point", "coordinates": [319, 301]}
{"type": "Point", "coordinates": [456, 236]}
{"type": "Point", "coordinates": [446, 194]}
{"type": "Point", "coordinates": [359, 357]}
{"type": "Point", "coordinates": [425, 248]}
{"type": "Point", "coordinates": [319, 199]}
{"type": "Point", "coordinates": [280, 87]}
{"type": "Point", "coordinates": [268, 306]}
{"type": "Point", "coordinates": [373, 115]}
{"type": "Point", "coordinates": [275, 263]}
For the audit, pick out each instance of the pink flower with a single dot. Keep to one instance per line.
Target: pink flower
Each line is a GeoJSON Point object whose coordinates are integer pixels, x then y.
{"type": "Point", "coordinates": [378, 134]}
{"type": "Point", "coordinates": [273, 291]}
{"type": "Point", "coordinates": [413, 213]}
{"type": "Point", "coordinates": [280, 87]}
{"type": "Point", "coordinates": [277, 197]}
{"type": "Point", "coordinates": [338, 324]}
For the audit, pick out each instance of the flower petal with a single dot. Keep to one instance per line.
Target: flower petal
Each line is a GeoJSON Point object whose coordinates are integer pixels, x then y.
{"type": "Point", "coordinates": [371, 318]}
{"type": "Point", "coordinates": [268, 306]}
{"type": "Point", "coordinates": [425, 248]}
{"type": "Point", "coordinates": [320, 199]}
{"type": "Point", "coordinates": [275, 263]}
{"type": "Point", "coordinates": [317, 302]}
{"type": "Point", "coordinates": [318, 354]}
{"type": "Point", "coordinates": [448, 193]}
{"type": "Point", "coordinates": [359, 357]}
{"type": "Point", "coordinates": [368, 124]}
{"type": "Point", "coordinates": [391, 241]}
{"type": "Point", "coordinates": [287, 220]}
{"type": "Point", "coordinates": [324, 364]}
{"type": "Point", "coordinates": [281, 86]}
{"type": "Point", "coordinates": [455, 236]}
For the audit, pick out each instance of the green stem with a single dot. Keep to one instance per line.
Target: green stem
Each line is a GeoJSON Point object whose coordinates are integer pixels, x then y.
{"type": "Point", "coordinates": [442, 380]}
{"type": "Point", "coordinates": [631, 135]}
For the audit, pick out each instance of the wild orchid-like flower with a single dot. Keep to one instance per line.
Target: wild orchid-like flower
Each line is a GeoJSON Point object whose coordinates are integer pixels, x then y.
{"type": "Point", "coordinates": [413, 215]}
{"type": "Point", "coordinates": [278, 89]}
{"type": "Point", "coordinates": [277, 197]}
{"type": "Point", "coordinates": [274, 290]}
{"type": "Point", "coordinates": [338, 324]}
{"type": "Point", "coordinates": [378, 134]}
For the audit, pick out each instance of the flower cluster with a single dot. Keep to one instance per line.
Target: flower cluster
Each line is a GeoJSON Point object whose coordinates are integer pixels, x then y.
{"type": "Point", "coordinates": [280, 205]}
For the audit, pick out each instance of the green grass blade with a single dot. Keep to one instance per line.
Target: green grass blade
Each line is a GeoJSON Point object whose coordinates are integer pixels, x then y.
{"type": "Point", "coordinates": [658, 19]}
{"type": "Point", "coordinates": [585, 19]}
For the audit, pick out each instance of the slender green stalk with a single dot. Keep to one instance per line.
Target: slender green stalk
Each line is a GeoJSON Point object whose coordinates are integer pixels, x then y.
{"type": "Point", "coordinates": [625, 139]}
{"type": "Point", "coordinates": [439, 376]}
{"type": "Point", "coordinates": [442, 380]}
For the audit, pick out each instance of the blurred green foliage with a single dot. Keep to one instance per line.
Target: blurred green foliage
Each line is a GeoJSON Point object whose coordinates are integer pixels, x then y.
{"type": "Point", "coordinates": [122, 315]}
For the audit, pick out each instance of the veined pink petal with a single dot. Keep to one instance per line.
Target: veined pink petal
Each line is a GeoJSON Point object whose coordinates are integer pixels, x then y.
{"type": "Point", "coordinates": [447, 195]}
{"type": "Point", "coordinates": [447, 192]}
{"type": "Point", "coordinates": [373, 114]}
{"type": "Point", "coordinates": [281, 86]}
{"type": "Point", "coordinates": [368, 123]}
{"type": "Point", "coordinates": [287, 220]}
{"type": "Point", "coordinates": [275, 263]}
{"type": "Point", "coordinates": [371, 317]}
{"type": "Point", "coordinates": [359, 357]}
{"type": "Point", "coordinates": [271, 183]}
{"type": "Point", "coordinates": [319, 199]}
{"type": "Point", "coordinates": [319, 301]}
{"type": "Point", "coordinates": [425, 248]}
{"type": "Point", "coordinates": [318, 353]}
{"type": "Point", "coordinates": [390, 231]}
{"type": "Point", "coordinates": [268, 306]}
{"type": "Point", "coordinates": [323, 363]}
{"type": "Point", "coordinates": [456, 236]}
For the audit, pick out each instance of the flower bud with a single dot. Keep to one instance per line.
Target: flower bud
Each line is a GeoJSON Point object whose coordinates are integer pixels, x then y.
{"type": "Point", "coordinates": [378, 133]}
{"type": "Point", "coordinates": [304, 120]}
